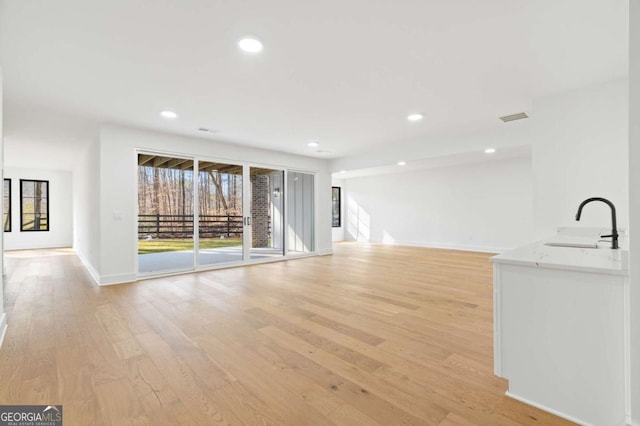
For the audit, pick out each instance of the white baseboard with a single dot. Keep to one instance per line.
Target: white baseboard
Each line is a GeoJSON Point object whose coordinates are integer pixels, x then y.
{"type": "Point", "coordinates": [440, 245]}
{"type": "Point", "coordinates": [324, 252]}
{"type": "Point", "coordinates": [462, 247]}
{"type": "Point", "coordinates": [38, 246]}
{"type": "Point", "coordinates": [90, 269]}
{"type": "Point", "coordinates": [3, 327]}
{"type": "Point", "coordinates": [106, 279]}
{"type": "Point", "coordinates": [550, 410]}
{"type": "Point", "coordinates": [117, 279]}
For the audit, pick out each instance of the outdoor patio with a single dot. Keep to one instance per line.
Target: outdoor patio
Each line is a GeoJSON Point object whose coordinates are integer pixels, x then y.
{"type": "Point", "coordinates": [183, 260]}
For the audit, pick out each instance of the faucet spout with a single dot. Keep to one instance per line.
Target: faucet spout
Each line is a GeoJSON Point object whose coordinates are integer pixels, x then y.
{"type": "Point", "coordinates": [614, 226]}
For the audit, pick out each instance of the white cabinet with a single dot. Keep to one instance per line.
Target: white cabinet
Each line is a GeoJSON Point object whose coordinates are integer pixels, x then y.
{"type": "Point", "coordinates": [561, 330]}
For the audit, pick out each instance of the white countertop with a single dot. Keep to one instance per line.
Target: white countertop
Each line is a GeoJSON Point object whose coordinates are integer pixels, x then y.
{"type": "Point", "coordinates": [603, 259]}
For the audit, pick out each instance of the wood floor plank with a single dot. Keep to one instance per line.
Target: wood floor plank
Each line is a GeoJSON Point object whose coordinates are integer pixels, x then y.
{"type": "Point", "coordinates": [330, 346]}
{"type": "Point", "coordinates": [276, 387]}
{"type": "Point", "coordinates": [74, 371]}
{"type": "Point", "coordinates": [248, 409]}
{"type": "Point", "coordinates": [196, 394]}
{"type": "Point", "coordinates": [425, 410]}
{"type": "Point", "coordinates": [349, 392]}
{"type": "Point", "coordinates": [373, 335]}
{"type": "Point", "coordinates": [119, 403]}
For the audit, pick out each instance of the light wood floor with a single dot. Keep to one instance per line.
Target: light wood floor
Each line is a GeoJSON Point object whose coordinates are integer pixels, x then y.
{"type": "Point", "coordinates": [371, 335]}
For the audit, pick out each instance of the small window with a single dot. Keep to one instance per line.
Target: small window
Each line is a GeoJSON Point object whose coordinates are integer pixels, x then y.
{"type": "Point", "coordinates": [34, 205]}
{"type": "Point", "coordinates": [335, 207]}
{"type": "Point", "coordinates": [6, 209]}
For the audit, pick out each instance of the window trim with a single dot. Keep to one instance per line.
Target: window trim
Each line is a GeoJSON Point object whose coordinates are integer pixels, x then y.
{"type": "Point", "coordinates": [9, 209]}
{"type": "Point", "coordinates": [333, 188]}
{"type": "Point", "coordinates": [21, 207]}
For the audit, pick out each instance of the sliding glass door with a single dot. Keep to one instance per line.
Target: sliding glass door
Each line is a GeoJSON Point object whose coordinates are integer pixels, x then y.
{"type": "Point", "coordinates": [165, 214]}
{"type": "Point", "coordinates": [266, 222]}
{"type": "Point", "coordinates": [199, 213]}
{"type": "Point", "coordinates": [220, 213]}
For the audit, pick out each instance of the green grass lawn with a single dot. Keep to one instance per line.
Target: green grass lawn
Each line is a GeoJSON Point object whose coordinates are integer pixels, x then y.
{"type": "Point", "coordinates": [159, 246]}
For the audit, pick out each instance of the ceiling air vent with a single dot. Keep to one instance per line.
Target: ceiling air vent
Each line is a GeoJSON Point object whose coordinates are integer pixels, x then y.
{"type": "Point", "coordinates": [204, 129]}
{"type": "Point", "coordinates": [514, 117]}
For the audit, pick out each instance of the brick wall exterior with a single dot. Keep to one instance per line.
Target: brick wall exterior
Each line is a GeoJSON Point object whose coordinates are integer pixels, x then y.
{"type": "Point", "coordinates": [260, 210]}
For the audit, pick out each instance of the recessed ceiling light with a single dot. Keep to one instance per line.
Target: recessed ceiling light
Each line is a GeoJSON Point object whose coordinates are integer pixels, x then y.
{"type": "Point", "coordinates": [168, 114]}
{"type": "Point", "coordinates": [314, 144]}
{"type": "Point", "coordinates": [415, 117]}
{"type": "Point", "coordinates": [250, 45]}
{"type": "Point", "coordinates": [343, 171]}
{"type": "Point", "coordinates": [489, 150]}
{"type": "Point", "coordinates": [402, 163]}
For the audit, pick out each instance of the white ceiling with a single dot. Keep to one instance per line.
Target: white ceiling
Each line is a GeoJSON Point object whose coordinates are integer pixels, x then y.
{"type": "Point", "coordinates": [345, 73]}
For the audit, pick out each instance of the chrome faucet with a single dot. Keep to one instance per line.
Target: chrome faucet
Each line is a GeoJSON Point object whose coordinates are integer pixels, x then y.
{"type": "Point", "coordinates": [614, 227]}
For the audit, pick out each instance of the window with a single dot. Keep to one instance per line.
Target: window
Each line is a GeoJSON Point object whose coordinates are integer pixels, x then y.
{"type": "Point", "coordinates": [34, 205]}
{"type": "Point", "coordinates": [335, 207]}
{"type": "Point", "coordinates": [6, 210]}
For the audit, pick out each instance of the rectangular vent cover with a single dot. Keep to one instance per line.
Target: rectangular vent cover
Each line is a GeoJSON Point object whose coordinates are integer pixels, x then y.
{"type": "Point", "coordinates": [514, 117]}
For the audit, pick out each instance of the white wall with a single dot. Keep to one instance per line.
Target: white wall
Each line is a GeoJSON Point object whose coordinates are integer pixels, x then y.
{"type": "Point", "coordinates": [60, 232]}
{"type": "Point", "coordinates": [580, 147]}
{"type": "Point", "coordinates": [634, 194]}
{"type": "Point", "coordinates": [485, 206]}
{"type": "Point", "coordinates": [86, 207]}
{"type": "Point", "coordinates": [118, 189]}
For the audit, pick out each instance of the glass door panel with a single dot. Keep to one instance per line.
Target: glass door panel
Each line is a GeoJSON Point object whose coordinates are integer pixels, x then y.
{"type": "Point", "coordinates": [300, 219]}
{"type": "Point", "coordinates": [220, 218]}
{"type": "Point", "coordinates": [165, 214]}
{"type": "Point", "coordinates": [266, 221]}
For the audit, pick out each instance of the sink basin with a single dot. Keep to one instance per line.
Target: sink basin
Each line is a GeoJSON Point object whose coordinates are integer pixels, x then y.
{"type": "Point", "coordinates": [571, 244]}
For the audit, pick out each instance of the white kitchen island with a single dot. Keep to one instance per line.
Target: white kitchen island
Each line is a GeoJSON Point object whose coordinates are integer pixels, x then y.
{"type": "Point", "coordinates": [561, 328]}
